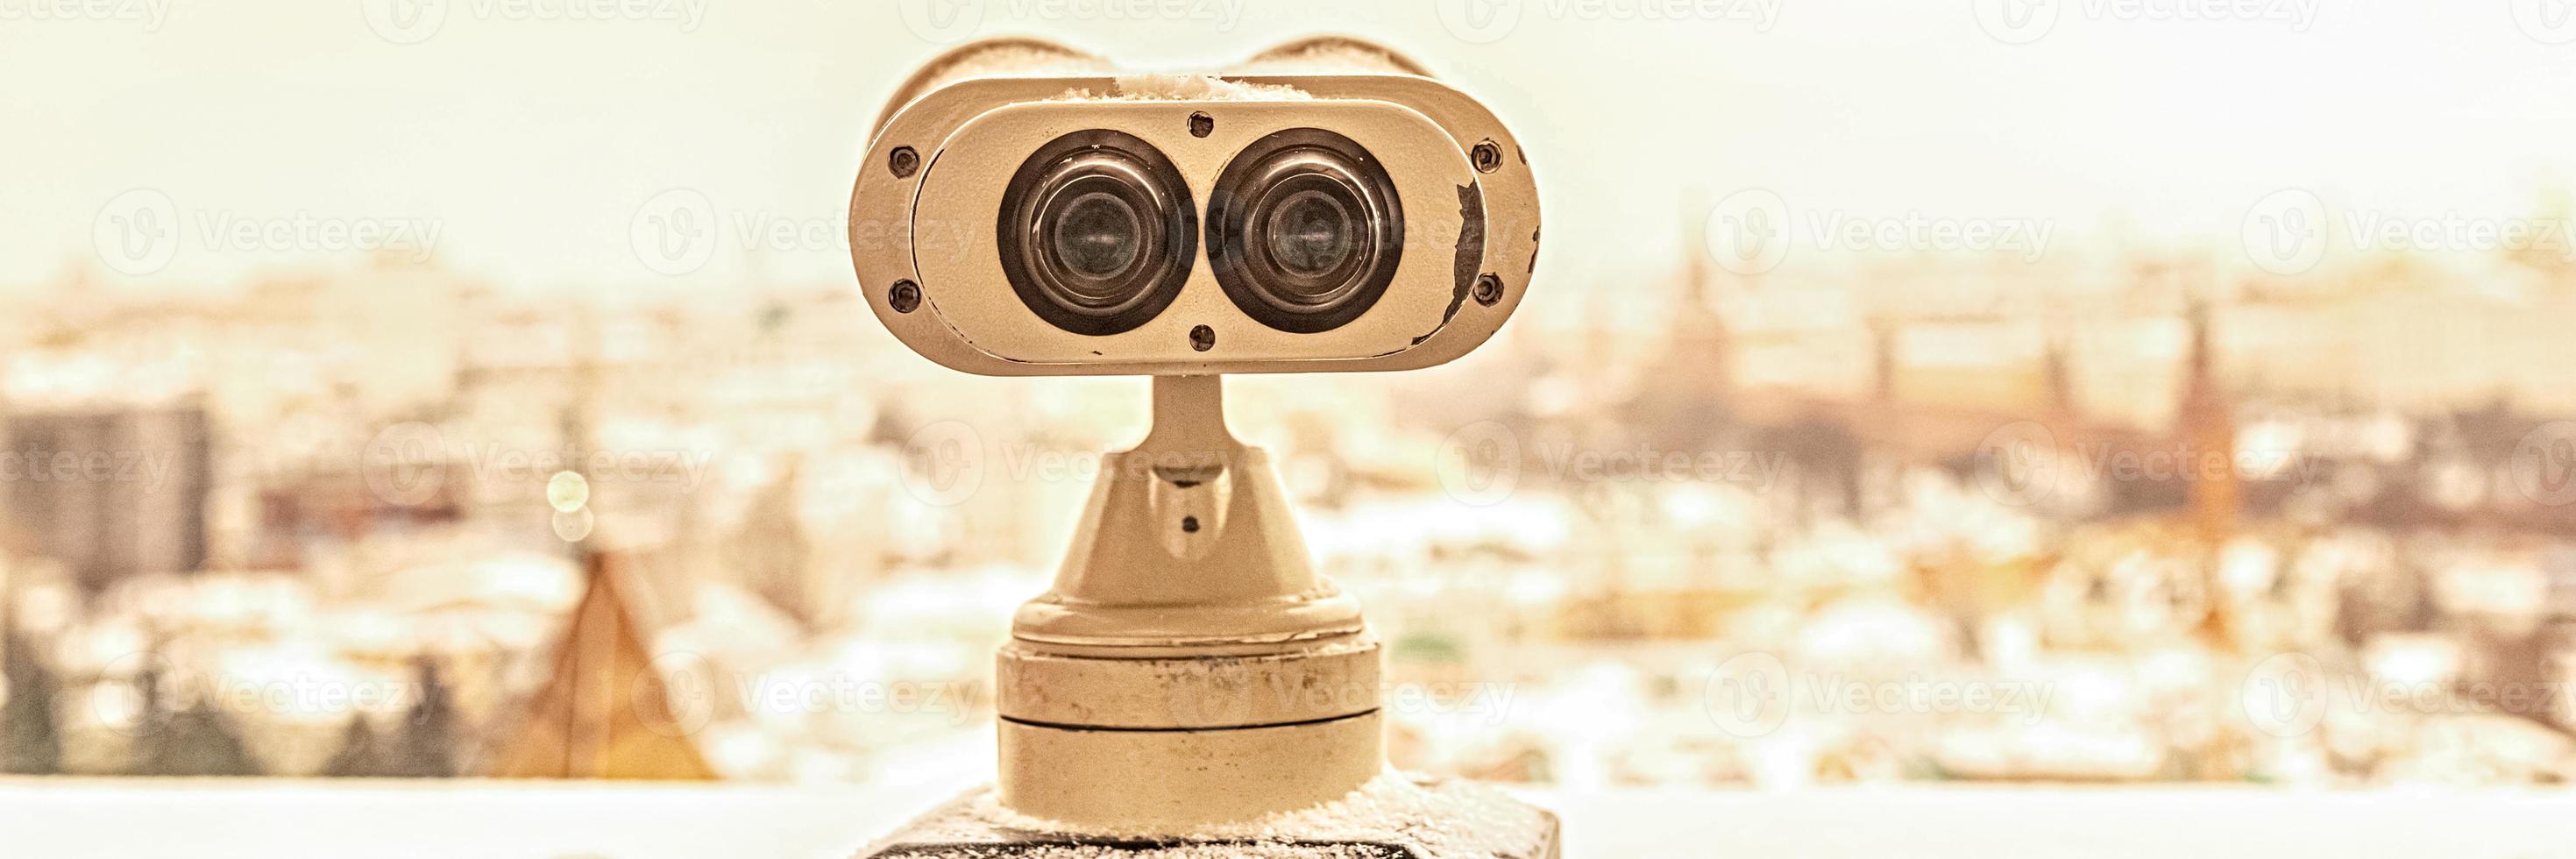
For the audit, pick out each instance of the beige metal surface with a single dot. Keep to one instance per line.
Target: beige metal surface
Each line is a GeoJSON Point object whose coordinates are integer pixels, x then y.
{"type": "Point", "coordinates": [1187, 540]}
{"type": "Point", "coordinates": [898, 233]}
{"type": "Point", "coordinates": [1023, 57]}
{"type": "Point", "coordinates": [1142, 781]}
{"type": "Point", "coordinates": [1334, 679]}
{"type": "Point", "coordinates": [1188, 666]}
{"type": "Point", "coordinates": [962, 281]}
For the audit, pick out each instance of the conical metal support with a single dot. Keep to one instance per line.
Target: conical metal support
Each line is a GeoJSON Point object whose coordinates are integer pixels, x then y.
{"type": "Point", "coordinates": [1189, 667]}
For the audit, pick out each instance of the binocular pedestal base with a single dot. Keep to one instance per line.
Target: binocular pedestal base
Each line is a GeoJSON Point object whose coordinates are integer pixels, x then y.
{"type": "Point", "coordinates": [1397, 816]}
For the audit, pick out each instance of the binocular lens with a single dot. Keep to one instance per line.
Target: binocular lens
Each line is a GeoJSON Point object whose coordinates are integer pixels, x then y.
{"type": "Point", "coordinates": [1098, 235]}
{"type": "Point", "coordinates": [1304, 230]}
{"type": "Point", "coordinates": [1096, 232]}
{"type": "Point", "coordinates": [1313, 232]}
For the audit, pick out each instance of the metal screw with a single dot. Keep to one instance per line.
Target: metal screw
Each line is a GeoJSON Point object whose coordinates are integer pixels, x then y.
{"type": "Point", "coordinates": [903, 161]}
{"type": "Point", "coordinates": [1201, 124]}
{"type": "Point", "coordinates": [1489, 289]}
{"type": "Point", "coordinates": [904, 296]}
{"type": "Point", "coordinates": [1202, 338]}
{"type": "Point", "coordinates": [1488, 157]}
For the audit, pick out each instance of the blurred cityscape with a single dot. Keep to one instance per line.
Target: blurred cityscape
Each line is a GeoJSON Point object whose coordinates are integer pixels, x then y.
{"type": "Point", "coordinates": [2112, 516]}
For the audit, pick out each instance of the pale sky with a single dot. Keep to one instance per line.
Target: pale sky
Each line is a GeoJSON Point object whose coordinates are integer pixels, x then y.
{"type": "Point", "coordinates": [528, 133]}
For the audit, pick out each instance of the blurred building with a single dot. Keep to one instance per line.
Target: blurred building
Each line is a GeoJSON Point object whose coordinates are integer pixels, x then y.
{"type": "Point", "coordinates": [110, 493]}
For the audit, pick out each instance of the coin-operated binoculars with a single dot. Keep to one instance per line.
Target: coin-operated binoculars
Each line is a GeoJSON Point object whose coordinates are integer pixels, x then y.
{"type": "Point", "coordinates": [1326, 206]}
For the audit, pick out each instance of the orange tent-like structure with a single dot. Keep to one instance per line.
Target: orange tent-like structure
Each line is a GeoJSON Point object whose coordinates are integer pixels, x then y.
{"type": "Point", "coordinates": [606, 711]}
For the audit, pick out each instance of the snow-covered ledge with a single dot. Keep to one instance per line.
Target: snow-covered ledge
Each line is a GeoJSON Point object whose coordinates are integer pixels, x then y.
{"type": "Point", "coordinates": [208, 818]}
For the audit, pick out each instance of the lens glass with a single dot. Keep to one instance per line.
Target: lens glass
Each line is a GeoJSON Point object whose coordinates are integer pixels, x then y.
{"type": "Point", "coordinates": [1304, 230]}
{"type": "Point", "coordinates": [1096, 232]}
{"type": "Point", "coordinates": [1097, 235]}
{"type": "Point", "coordinates": [1312, 232]}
